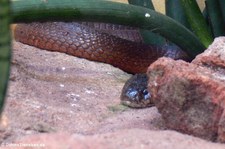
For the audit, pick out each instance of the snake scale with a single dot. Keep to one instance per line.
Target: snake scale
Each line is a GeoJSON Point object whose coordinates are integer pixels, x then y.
{"type": "Point", "coordinates": [117, 45]}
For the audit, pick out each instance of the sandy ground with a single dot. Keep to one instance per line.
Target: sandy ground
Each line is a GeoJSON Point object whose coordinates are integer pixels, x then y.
{"type": "Point", "coordinates": [53, 93]}
{"type": "Point", "coordinates": [57, 92]}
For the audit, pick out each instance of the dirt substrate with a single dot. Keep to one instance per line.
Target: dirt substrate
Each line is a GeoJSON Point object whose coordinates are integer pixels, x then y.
{"type": "Point", "coordinates": [58, 99]}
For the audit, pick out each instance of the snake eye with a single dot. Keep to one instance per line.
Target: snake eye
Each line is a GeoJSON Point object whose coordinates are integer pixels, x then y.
{"type": "Point", "coordinates": [146, 94]}
{"type": "Point", "coordinates": [132, 94]}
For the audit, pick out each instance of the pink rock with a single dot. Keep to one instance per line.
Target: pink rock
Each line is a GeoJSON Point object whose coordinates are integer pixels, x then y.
{"type": "Point", "coordinates": [191, 96]}
{"type": "Point", "coordinates": [214, 56]}
{"type": "Point", "coordinates": [121, 139]}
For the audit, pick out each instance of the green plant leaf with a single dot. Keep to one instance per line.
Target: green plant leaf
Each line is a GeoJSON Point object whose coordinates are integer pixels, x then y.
{"type": "Point", "coordinates": [215, 14]}
{"type": "Point", "coordinates": [222, 8]}
{"type": "Point", "coordinates": [148, 36]}
{"type": "Point", "coordinates": [110, 12]}
{"type": "Point", "coordinates": [197, 21]}
{"type": "Point", "coordinates": [143, 3]}
{"type": "Point", "coordinates": [175, 10]}
{"type": "Point", "coordinates": [5, 49]}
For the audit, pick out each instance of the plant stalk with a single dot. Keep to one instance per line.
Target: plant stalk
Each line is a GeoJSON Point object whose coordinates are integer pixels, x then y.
{"type": "Point", "coordinates": [109, 12]}
{"type": "Point", "coordinates": [197, 21]}
{"type": "Point", "coordinates": [5, 49]}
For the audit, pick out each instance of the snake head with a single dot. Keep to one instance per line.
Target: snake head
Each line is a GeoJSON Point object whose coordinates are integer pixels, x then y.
{"type": "Point", "coordinates": [135, 93]}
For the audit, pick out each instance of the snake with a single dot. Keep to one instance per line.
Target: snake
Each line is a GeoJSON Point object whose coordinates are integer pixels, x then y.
{"type": "Point", "coordinates": [117, 45]}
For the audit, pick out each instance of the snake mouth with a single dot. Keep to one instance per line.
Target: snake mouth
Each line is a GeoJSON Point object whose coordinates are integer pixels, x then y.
{"type": "Point", "coordinates": [131, 104]}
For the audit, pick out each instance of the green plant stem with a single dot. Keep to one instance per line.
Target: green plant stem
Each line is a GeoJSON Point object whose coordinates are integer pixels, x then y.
{"type": "Point", "coordinates": [197, 21]}
{"type": "Point", "coordinates": [175, 10]}
{"type": "Point", "coordinates": [215, 15]}
{"type": "Point", "coordinates": [148, 36]}
{"type": "Point", "coordinates": [110, 12]}
{"type": "Point", "coordinates": [222, 8]}
{"type": "Point", "coordinates": [143, 3]}
{"type": "Point", "coordinates": [205, 14]}
{"type": "Point", "coordinates": [5, 46]}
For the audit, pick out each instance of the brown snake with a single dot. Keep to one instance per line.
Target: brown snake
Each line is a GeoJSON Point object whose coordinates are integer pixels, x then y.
{"type": "Point", "coordinates": [95, 43]}
{"type": "Point", "coordinates": [83, 41]}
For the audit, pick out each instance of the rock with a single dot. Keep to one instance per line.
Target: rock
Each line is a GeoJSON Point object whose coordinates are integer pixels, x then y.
{"type": "Point", "coordinates": [187, 97]}
{"type": "Point", "coordinates": [51, 92]}
{"type": "Point", "coordinates": [128, 138]}
{"type": "Point", "coordinates": [214, 56]}
{"type": "Point", "coordinates": [191, 96]}
{"type": "Point", "coordinates": [66, 102]}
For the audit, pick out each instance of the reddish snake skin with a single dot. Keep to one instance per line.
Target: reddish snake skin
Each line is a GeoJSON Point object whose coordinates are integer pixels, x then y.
{"type": "Point", "coordinates": [86, 42]}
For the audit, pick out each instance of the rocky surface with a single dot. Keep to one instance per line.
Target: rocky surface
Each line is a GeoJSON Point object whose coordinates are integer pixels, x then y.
{"type": "Point", "coordinates": [61, 101]}
{"type": "Point", "coordinates": [53, 92]}
{"type": "Point", "coordinates": [123, 139]}
{"type": "Point", "coordinates": [191, 96]}
{"type": "Point", "coordinates": [213, 57]}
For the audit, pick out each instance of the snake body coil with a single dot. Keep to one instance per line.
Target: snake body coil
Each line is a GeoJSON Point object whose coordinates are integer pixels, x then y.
{"type": "Point", "coordinates": [122, 48]}
{"type": "Point", "coordinates": [86, 42]}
